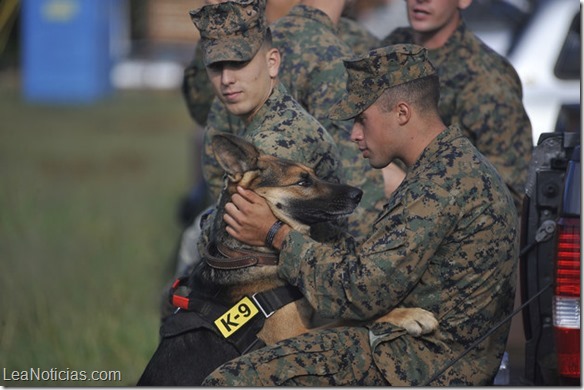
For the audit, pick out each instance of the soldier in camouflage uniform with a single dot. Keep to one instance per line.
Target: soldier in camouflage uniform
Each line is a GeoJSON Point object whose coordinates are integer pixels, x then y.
{"type": "Point", "coordinates": [243, 67]}
{"type": "Point", "coordinates": [236, 41]}
{"type": "Point", "coordinates": [480, 90]}
{"type": "Point", "coordinates": [312, 71]}
{"type": "Point", "coordinates": [446, 241]}
{"type": "Point", "coordinates": [197, 90]}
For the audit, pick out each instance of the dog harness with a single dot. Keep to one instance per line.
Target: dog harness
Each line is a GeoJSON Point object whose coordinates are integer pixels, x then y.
{"type": "Point", "coordinates": [237, 325]}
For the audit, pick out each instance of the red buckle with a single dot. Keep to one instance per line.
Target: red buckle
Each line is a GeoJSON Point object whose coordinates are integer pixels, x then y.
{"type": "Point", "coordinates": [182, 302]}
{"type": "Point", "coordinates": [177, 300]}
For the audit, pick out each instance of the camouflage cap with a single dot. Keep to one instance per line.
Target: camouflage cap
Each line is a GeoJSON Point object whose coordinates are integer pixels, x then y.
{"type": "Point", "coordinates": [232, 30]}
{"type": "Point", "coordinates": [380, 69]}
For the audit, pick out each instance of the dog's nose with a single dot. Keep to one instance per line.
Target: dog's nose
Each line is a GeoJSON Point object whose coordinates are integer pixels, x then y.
{"type": "Point", "coordinates": [356, 194]}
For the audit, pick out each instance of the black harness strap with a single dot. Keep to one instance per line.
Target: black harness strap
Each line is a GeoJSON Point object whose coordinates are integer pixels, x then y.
{"type": "Point", "coordinates": [195, 312]}
{"type": "Point", "coordinates": [272, 300]}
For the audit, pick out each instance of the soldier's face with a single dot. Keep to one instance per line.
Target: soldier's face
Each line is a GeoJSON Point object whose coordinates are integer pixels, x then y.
{"type": "Point", "coordinates": [376, 133]}
{"type": "Point", "coordinates": [434, 16]}
{"type": "Point", "coordinates": [245, 86]}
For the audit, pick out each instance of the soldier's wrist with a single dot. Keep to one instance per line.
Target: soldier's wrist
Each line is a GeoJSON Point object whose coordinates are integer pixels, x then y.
{"type": "Point", "coordinates": [280, 236]}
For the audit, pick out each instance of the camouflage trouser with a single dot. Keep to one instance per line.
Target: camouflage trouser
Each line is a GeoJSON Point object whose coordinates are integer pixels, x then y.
{"type": "Point", "coordinates": [333, 357]}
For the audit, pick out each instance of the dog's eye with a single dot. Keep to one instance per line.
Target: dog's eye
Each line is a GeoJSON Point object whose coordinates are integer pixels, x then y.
{"type": "Point", "coordinates": [305, 181]}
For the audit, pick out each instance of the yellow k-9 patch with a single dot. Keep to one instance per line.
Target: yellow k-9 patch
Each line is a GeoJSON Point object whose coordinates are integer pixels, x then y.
{"type": "Point", "coordinates": [236, 317]}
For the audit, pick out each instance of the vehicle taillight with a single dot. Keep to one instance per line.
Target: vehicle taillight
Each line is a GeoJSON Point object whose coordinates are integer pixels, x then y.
{"type": "Point", "coordinates": [566, 304]}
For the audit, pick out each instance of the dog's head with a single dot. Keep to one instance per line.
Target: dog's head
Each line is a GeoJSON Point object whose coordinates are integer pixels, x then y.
{"type": "Point", "coordinates": [292, 190]}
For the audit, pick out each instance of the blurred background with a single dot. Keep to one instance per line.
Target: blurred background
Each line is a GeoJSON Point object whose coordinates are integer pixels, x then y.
{"type": "Point", "coordinates": [98, 153]}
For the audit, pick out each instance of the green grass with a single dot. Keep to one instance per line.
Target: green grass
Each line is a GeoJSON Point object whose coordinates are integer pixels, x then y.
{"type": "Point", "coordinates": [88, 197]}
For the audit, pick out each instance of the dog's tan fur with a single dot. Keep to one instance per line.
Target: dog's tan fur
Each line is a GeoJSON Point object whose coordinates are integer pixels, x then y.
{"type": "Point", "coordinates": [284, 186]}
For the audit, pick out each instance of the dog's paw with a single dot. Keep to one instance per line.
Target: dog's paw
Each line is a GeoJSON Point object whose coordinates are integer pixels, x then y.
{"type": "Point", "coordinates": [415, 321]}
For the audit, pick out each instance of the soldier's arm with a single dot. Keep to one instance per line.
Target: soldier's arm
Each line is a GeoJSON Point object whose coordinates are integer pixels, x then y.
{"type": "Point", "coordinates": [363, 281]}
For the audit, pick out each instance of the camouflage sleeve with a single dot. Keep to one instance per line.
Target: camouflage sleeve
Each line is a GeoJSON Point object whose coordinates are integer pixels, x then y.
{"type": "Point", "coordinates": [492, 115]}
{"type": "Point", "coordinates": [362, 281]}
{"type": "Point", "coordinates": [357, 37]}
{"type": "Point", "coordinates": [196, 88]}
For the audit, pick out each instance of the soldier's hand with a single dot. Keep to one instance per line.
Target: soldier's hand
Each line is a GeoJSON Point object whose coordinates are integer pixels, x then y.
{"type": "Point", "coordinates": [248, 217]}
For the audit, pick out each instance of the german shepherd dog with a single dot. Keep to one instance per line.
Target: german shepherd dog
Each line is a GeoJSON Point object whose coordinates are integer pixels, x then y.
{"type": "Point", "coordinates": [237, 303]}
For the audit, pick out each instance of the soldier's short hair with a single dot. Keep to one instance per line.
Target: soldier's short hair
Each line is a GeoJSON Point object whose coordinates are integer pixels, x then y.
{"type": "Point", "coordinates": [369, 76]}
{"type": "Point", "coordinates": [424, 93]}
{"type": "Point", "coordinates": [232, 30]}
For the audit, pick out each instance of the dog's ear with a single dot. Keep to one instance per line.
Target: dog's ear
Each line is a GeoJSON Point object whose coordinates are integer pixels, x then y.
{"type": "Point", "coordinates": [235, 155]}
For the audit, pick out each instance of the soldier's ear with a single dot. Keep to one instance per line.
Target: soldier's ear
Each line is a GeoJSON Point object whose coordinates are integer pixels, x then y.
{"type": "Point", "coordinates": [273, 58]}
{"type": "Point", "coordinates": [403, 113]}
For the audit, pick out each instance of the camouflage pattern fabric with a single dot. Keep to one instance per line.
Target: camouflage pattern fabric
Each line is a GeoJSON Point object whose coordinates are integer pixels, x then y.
{"type": "Point", "coordinates": [313, 359]}
{"type": "Point", "coordinates": [481, 92]}
{"type": "Point", "coordinates": [231, 31]}
{"type": "Point", "coordinates": [380, 69]}
{"type": "Point", "coordinates": [197, 89]}
{"type": "Point", "coordinates": [446, 242]}
{"type": "Point", "coordinates": [358, 38]}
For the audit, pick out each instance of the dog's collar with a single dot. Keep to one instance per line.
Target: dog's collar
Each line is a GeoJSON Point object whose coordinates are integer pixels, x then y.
{"type": "Point", "coordinates": [229, 259]}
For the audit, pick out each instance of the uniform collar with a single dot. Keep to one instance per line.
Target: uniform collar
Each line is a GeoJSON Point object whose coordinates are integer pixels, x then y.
{"type": "Point", "coordinates": [453, 43]}
{"type": "Point", "coordinates": [277, 92]}
{"type": "Point", "coordinates": [431, 155]}
{"type": "Point", "coordinates": [436, 148]}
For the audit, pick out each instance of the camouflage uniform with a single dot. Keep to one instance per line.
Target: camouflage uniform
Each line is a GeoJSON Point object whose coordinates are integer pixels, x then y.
{"type": "Point", "coordinates": [353, 34]}
{"type": "Point", "coordinates": [446, 241]}
{"type": "Point", "coordinates": [481, 92]}
{"type": "Point", "coordinates": [235, 31]}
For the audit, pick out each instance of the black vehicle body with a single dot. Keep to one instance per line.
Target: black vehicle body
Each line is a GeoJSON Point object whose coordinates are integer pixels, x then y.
{"type": "Point", "coordinates": [552, 199]}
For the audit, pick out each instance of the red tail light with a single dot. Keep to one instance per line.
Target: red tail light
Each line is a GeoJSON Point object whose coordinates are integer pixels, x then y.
{"type": "Point", "coordinates": [566, 305]}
